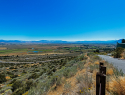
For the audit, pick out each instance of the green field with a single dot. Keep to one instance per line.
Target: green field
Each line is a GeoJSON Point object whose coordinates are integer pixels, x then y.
{"type": "Point", "coordinates": [23, 50]}
{"type": "Point", "coordinates": [13, 51]}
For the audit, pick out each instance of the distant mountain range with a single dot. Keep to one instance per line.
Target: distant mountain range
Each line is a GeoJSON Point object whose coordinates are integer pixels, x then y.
{"type": "Point", "coordinates": [62, 42]}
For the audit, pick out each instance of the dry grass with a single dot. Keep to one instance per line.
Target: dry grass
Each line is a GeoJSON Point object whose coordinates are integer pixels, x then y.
{"type": "Point", "coordinates": [3, 48]}
{"type": "Point", "coordinates": [82, 85]}
{"type": "Point", "coordinates": [8, 77]}
{"type": "Point", "coordinates": [96, 62]}
{"type": "Point", "coordinates": [103, 61]}
{"type": "Point", "coordinates": [117, 86]}
{"type": "Point", "coordinates": [109, 71]}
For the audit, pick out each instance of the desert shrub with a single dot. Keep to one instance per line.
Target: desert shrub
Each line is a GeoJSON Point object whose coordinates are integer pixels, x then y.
{"type": "Point", "coordinates": [90, 54]}
{"type": "Point", "coordinates": [124, 56]}
{"type": "Point", "coordinates": [13, 76]}
{"type": "Point", "coordinates": [79, 78]}
{"type": "Point", "coordinates": [70, 71]}
{"type": "Point", "coordinates": [4, 89]}
{"type": "Point", "coordinates": [70, 63]}
{"type": "Point", "coordinates": [12, 67]}
{"type": "Point", "coordinates": [67, 86]}
{"type": "Point", "coordinates": [88, 80]}
{"type": "Point", "coordinates": [36, 70]}
{"type": "Point", "coordinates": [118, 52]}
{"type": "Point", "coordinates": [80, 65]}
{"type": "Point", "coordinates": [97, 50]}
{"type": "Point", "coordinates": [53, 80]}
{"type": "Point", "coordinates": [17, 84]}
{"type": "Point", "coordinates": [93, 67]}
{"type": "Point", "coordinates": [82, 57]}
{"type": "Point", "coordinates": [9, 73]}
{"type": "Point", "coordinates": [19, 91]}
{"type": "Point", "coordinates": [96, 57]}
{"type": "Point", "coordinates": [59, 81]}
{"type": "Point", "coordinates": [2, 78]}
{"type": "Point", "coordinates": [33, 76]}
{"type": "Point", "coordinates": [24, 71]}
{"type": "Point", "coordinates": [29, 84]}
{"type": "Point", "coordinates": [117, 72]}
{"type": "Point", "coordinates": [12, 81]}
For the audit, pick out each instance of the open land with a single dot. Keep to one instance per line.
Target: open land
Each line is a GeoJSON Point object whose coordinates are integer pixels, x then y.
{"type": "Point", "coordinates": [27, 69]}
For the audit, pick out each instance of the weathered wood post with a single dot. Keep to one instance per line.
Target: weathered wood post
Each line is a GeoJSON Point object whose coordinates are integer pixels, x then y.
{"type": "Point", "coordinates": [97, 83]}
{"type": "Point", "coordinates": [100, 65]}
{"type": "Point", "coordinates": [101, 80]}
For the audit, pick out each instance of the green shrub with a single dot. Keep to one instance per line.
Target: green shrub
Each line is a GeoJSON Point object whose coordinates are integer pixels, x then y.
{"type": "Point", "coordinates": [13, 76]}
{"type": "Point", "coordinates": [19, 91]}
{"type": "Point", "coordinates": [29, 84]}
{"type": "Point", "coordinates": [79, 78]}
{"type": "Point", "coordinates": [33, 76]}
{"type": "Point", "coordinates": [80, 65]}
{"type": "Point", "coordinates": [70, 71]}
{"type": "Point", "coordinates": [67, 86]}
{"type": "Point", "coordinates": [93, 67]}
{"type": "Point", "coordinates": [90, 54]}
{"type": "Point", "coordinates": [118, 52]}
{"type": "Point", "coordinates": [17, 84]}
{"type": "Point", "coordinates": [82, 57]}
{"type": "Point", "coordinates": [2, 78]}
{"type": "Point", "coordinates": [117, 72]}
{"type": "Point", "coordinates": [12, 81]}
{"type": "Point", "coordinates": [96, 57]}
{"type": "Point", "coordinates": [11, 67]}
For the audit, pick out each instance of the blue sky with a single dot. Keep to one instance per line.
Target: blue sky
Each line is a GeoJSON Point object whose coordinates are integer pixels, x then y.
{"type": "Point", "coordinates": [71, 20]}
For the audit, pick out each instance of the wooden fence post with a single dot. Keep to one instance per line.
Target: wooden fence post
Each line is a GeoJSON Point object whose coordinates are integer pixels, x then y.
{"type": "Point", "coordinates": [101, 80]}
{"type": "Point", "coordinates": [97, 83]}
{"type": "Point", "coordinates": [103, 70]}
{"type": "Point", "coordinates": [100, 65]}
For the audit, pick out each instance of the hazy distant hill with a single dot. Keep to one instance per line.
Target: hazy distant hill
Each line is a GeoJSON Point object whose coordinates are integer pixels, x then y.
{"type": "Point", "coordinates": [61, 42]}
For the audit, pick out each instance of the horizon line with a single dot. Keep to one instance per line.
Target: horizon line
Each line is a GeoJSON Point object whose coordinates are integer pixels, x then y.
{"type": "Point", "coordinates": [58, 40]}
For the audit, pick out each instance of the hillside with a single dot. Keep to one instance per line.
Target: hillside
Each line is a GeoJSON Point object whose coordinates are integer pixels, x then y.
{"type": "Point", "coordinates": [73, 76]}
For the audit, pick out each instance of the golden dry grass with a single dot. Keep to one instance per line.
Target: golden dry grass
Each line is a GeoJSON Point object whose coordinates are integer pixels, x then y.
{"type": "Point", "coordinates": [103, 61]}
{"type": "Point", "coordinates": [89, 63]}
{"type": "Point", "coordinates": [8, 77]}
{"type": "Point", "coordinates": [96, 62]}
{"type": "Point", "coordinates": [25, 93]}
{"type": "Point", "coordinates": [94, 74]}
{"type": "Point", "coordinates": [3, 48]}
{"type": "Point", "coordinates": [109, 71]}
{"type": "Point", "coordinates": [117, 85]}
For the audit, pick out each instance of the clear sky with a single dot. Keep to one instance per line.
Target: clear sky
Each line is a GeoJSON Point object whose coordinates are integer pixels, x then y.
{"type": "Point", "coordinates": [71, 20]}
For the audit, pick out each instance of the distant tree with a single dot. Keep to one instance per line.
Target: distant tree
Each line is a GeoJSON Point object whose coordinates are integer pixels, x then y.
{"type": "Point", "coordinates": [123, 40]}
{"type": "Point", "coordinates": [97, 50]}
{"type": "Point", "coordinates": [118, 52]}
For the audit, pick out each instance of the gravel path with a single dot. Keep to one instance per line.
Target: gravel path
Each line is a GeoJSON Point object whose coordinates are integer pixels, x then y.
{"type": "Point", "coordinates": [115, 61]}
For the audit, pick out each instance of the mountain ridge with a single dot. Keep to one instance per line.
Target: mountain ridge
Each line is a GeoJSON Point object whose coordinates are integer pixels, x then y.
{"type": "Point", "coordinates": [60, 41]}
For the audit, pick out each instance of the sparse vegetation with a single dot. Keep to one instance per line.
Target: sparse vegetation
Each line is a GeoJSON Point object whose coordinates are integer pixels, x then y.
{"type": "Point", "coordinates": [73, 72]}
{"type": "Point", "coordinates": [118, 52]}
